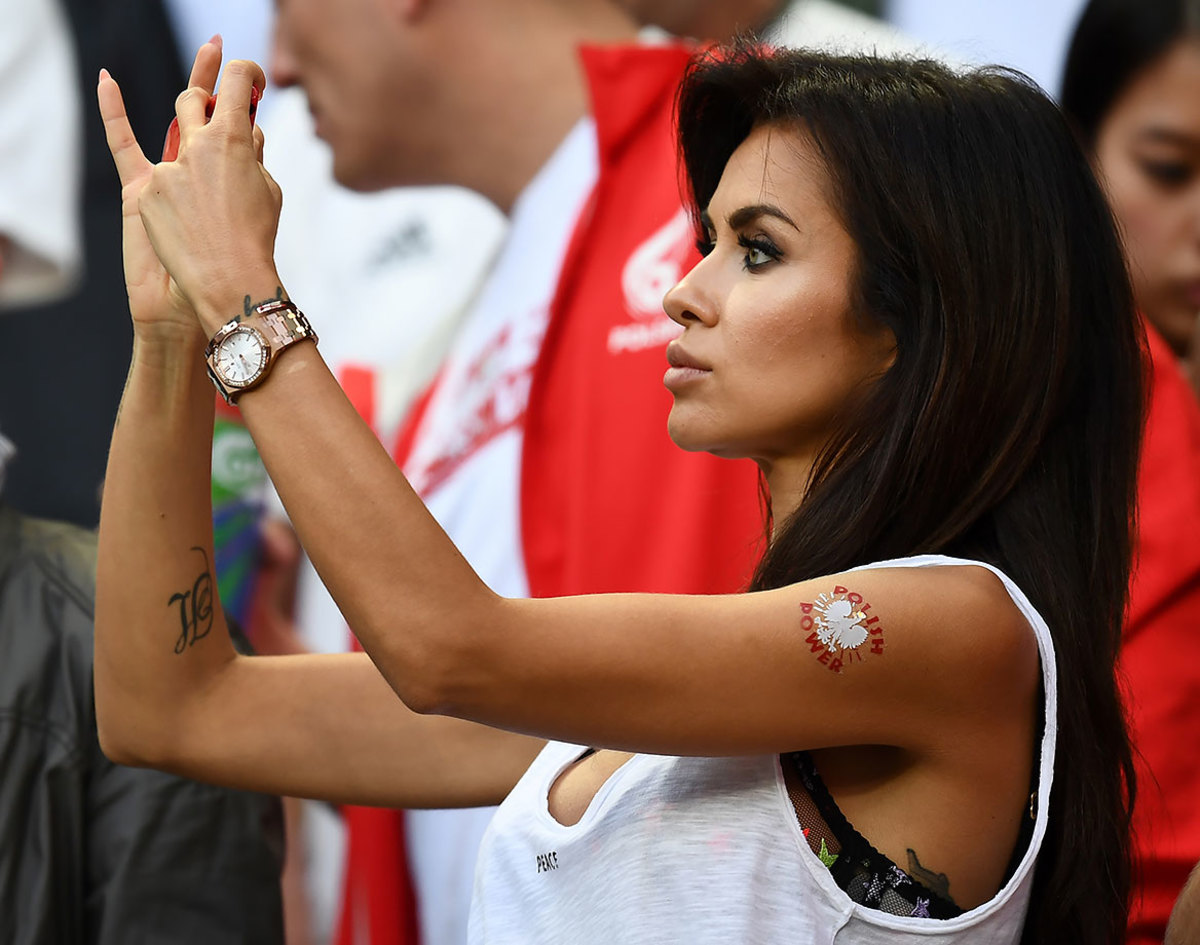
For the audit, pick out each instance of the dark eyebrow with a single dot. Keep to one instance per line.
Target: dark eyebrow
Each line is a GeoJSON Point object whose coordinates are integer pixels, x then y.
{"type": "Point", "coordinates": [1170, 136]}
{"type": "Point", "coordinates": [744, 216]}
{"type": "Point", "coordinates": [747, 215]}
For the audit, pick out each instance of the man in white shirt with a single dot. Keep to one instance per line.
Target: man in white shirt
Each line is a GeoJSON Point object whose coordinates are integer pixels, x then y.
{"type": "Point", "coordinates": [401, 101]}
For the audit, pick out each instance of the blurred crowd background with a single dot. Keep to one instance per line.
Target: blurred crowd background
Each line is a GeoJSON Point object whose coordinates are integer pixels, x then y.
{"type": "Point", "coordinates": [65, 337]}
{"type": "Point", "coordinates": [62, 428]}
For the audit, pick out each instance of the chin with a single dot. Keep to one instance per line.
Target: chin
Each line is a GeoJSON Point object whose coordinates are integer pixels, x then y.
{"type": "Point", "coordinates": [694, 440]}
{"type": "Point", "coordinates": [683, 435]}
{"type": "Point", "coordinates": [352, 179]}
{"type": "Point", "coordinates": [358, 173]}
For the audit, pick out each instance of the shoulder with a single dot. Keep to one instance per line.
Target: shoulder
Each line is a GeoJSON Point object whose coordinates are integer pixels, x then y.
{"type": "Point", "coordinates": [934, 631]}
{"type": "Point", "coordinates": [953, 615]}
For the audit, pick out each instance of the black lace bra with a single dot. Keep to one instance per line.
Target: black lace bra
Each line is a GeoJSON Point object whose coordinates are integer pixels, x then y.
{"type": "Point", "coordinates": [862, 872]}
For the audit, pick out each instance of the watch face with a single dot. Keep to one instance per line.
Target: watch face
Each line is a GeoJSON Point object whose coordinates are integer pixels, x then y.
{"type": "Point", "coordinates": [240, 357]}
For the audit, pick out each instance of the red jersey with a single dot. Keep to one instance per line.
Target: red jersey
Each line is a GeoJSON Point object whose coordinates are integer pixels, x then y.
{"type": "Point", "coordinates": [1161, 652]}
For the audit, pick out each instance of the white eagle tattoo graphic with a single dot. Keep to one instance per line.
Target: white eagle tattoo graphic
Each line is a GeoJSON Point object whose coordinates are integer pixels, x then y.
{"type": "Point", "coordinates": [838, 623]}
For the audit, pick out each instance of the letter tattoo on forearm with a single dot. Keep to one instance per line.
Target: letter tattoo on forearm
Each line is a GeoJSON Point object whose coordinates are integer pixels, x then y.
{"type": "Point", "coordinates": [195, 607]}
{"type": "Point", "coordinates": [840, 628]}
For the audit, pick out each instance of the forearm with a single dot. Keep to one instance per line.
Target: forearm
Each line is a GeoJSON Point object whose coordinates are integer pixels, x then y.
{"type": "Point", "coordinates": [170, 690]}
{"type": "Point", "coordinates": [160, 635]}
{"type": "Point", "coordinates": [413, 601]}
{"type": "Point", "coordinates": [404, 588]}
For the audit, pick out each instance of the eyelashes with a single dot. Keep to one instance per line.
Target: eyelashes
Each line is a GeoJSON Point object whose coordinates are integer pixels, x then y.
{"type": "Point", "coordinates": [1169, 174]}
{"type": "Point", "coordinates": [760, 251]}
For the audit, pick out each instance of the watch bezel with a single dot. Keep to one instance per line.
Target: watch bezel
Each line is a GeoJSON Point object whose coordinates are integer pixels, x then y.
{"type": "Point", "coordinates": [224, 336]}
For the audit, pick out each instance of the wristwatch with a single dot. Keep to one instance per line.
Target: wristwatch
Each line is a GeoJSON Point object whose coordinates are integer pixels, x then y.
{"type": "Point", "coordinates": [242, 352]}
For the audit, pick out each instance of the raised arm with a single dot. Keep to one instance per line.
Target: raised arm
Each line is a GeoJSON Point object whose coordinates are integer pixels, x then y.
{"type": "Point", "coordinates": [927, 658]}
{"type": "Point", "coordinates": [170, 690]}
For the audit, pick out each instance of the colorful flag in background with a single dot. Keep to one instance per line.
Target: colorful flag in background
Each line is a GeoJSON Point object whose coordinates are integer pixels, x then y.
{"type": "Point", "coordinates": [239, 484]}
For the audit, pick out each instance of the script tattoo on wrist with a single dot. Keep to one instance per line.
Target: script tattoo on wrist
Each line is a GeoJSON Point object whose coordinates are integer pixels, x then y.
{"type": "Point", "coordinates": [840, 628]}
{"type": "Point", "coordinates": [195, 607]}
{"type": "Point", "coordinates": [248, 307]}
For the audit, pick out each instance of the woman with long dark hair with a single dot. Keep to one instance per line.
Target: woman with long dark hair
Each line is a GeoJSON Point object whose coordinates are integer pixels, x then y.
{"type": "Point", "coordinates": [912, 314]}
{"type": "Point", "coordinates": [1132, 90]}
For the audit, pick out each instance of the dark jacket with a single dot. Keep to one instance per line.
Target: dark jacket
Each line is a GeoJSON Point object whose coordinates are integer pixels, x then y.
{"type": "Point", "coordinates": [91, 851]}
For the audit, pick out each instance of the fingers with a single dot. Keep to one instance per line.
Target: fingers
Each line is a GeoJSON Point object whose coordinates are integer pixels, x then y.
{"type": "Point", "coordinates": [122, 143]}
{"type": "Point", "coordinates": [259, 143]}
{"type": "Point", "coordinates": [234, 102]}
{"type": "Point", "coordinates": [207, 65]}
{"type": "Point", "coordinates": [191, 109]}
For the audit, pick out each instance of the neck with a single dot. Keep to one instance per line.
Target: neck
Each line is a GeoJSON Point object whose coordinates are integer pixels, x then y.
{"type": "Point", "coordinates": [787, 482]}
{"type": "Point", "coordinates": [523, 90]}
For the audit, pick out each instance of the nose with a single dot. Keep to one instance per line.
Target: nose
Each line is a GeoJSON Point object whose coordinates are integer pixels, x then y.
{"type": "Point", "coordinates": [282, 63]}
{"type": "Point", "coordinates": [691, 299]}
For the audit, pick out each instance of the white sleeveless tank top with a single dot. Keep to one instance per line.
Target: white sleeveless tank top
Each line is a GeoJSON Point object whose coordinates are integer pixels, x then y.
{"type": "Point", "coordinates": [708, 850]}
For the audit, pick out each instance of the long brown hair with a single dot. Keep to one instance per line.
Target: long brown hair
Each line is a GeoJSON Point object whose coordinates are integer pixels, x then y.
{"type": "Point", "coordinates": [1008, 428]}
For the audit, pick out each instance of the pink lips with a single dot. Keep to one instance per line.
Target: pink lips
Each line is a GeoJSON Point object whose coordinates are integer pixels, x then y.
{"type": "Point", "coordinates": [683, 368]}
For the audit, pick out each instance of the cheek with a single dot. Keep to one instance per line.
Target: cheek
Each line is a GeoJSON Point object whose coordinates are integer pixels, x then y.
{"type": "Point", "coordinates": [1145, 223]}
{"type": "Point", "coordinates": [790, 357]}
{"type": "Point", "coordinates": [1144, 215]}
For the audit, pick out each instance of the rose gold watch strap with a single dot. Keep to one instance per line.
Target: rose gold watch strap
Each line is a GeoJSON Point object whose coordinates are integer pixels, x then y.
{"type": "Point", "coordinates": [282, 324]}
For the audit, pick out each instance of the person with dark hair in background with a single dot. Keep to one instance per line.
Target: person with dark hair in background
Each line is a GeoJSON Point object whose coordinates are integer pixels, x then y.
{"type": "Point", "coordinates": [908, 728]}
{"type": "Point", "coordinates": [1131, 86]}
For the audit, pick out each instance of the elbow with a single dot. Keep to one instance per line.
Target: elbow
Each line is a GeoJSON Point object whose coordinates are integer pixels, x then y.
{"type": "Point", "coordinates": [124, 724]}
{"type": "Point", "coordinates": [118, 747]}
{"type": "Point", "coordinates": [424, 699]}
{"type": "Point", "coordinates": [118, 752]}
{"type": "Point", "coordinates": [447, 671]}
{"type": "Point", "coordinates": [426, 682]}
{"type": "Point", "coordinates": [126, 740]}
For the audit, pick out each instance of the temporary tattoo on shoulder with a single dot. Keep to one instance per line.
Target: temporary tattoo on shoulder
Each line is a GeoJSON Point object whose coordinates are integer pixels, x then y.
{"type": "Point", "coordinates": [195, 607]}
{"type": "Point", "coordinates": [840, 628]}
{"type": "Point", "coordinates": [928, 878]}
{"type": "Point", "coordinates": [248, 307]}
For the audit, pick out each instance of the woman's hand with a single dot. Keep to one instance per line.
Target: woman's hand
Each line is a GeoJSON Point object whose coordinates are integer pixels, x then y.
{"type": "Point", "coordinates": [211, 215]}
{"type": "Point", "coordinates": [155, 302]}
